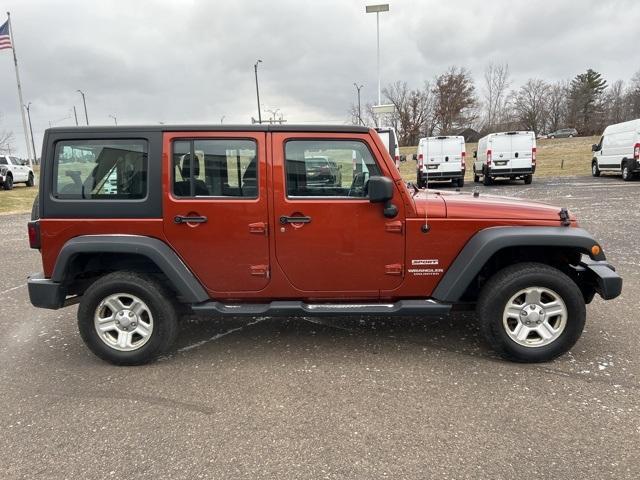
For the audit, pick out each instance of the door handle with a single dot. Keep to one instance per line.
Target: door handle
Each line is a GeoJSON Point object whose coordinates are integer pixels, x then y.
{"type": "Point", "coordinates": [182, 219]}
{"type": "Point", "coordinates": [284, 219]}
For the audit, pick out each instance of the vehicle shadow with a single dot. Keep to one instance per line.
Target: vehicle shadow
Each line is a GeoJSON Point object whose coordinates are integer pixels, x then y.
{"type": "Point", "coordinates": [457, 334]}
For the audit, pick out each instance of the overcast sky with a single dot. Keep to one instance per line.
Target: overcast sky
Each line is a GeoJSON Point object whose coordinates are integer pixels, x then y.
{"type": "Point", "coordinates": [191, 61]}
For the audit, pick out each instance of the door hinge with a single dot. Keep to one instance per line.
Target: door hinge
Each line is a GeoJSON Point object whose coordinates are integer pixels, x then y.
{"type": "Point", "coordinates": [258, 227]}
{"type": "Point", "coordinates": [393, 226]}
{"type": "Point", "coordinates": [259, 270]}
{"type": "Point", "coordinates": [393, 269]}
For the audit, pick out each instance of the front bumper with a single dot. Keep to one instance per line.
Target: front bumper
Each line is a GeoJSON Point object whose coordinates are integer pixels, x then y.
{"type": "Point", "coordinates": [601, 276]}
{"type": "Point", "coordinates": [45, 293]}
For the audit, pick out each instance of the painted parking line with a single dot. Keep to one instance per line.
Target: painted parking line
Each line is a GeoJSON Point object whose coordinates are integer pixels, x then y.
{"type": "Point", "coordinates": [11, 289]}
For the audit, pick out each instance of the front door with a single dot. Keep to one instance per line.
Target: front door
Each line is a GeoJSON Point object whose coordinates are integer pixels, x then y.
{"type": "Point", "coordinates": [331, 242]}
{"type": "Point", "coordinates": [215, 209]}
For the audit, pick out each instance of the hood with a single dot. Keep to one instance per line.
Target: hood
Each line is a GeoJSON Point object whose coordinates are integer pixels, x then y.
{"type": "Point", "coordinates": [466, 205]}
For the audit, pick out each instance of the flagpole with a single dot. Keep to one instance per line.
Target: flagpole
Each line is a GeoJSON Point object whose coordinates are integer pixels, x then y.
{"type": "Point", "coordinates": [24, 120]}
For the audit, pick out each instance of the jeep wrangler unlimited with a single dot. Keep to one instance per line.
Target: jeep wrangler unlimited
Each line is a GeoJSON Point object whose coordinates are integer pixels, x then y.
{"type": "Point", "coordinates": [137, 224]}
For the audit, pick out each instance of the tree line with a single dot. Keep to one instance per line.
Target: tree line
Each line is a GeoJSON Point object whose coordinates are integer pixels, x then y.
{"type": "Point", "coordinates": [451, 103]}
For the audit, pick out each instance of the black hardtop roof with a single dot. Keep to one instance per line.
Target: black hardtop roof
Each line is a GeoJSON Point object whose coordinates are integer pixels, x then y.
{"type": "Point", "coordinates": [211, 128]}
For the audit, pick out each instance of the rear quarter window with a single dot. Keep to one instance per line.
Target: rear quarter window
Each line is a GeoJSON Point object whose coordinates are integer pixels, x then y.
{"type": "Point", "coordinates": [100, 169]}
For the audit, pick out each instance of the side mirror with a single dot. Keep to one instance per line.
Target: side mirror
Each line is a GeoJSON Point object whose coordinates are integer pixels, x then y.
{"type": "Point", "coordinates": [594, 147]}
{"type": "Point", "coordinates": [380, 189]}
{"type": "Point", "coordinates": [415, 157]}
{"type": "Point", "coordinates": [475, 154]}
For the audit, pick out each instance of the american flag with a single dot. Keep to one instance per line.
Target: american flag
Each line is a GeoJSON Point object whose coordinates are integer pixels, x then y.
{"type": "Point", "coordinates": [5, 38]}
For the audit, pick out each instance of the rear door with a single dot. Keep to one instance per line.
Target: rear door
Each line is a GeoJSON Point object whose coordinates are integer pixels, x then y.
{"type": "Point", "coordinates": [215, 207]}
{"type": "Point", "coordinates": [521, 150]}
{"type": "Point", "coordinates": [331, 242]}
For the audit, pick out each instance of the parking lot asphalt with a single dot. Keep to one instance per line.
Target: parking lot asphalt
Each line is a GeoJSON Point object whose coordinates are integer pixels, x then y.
{"type": "Point", "coordinates": [330, 398]}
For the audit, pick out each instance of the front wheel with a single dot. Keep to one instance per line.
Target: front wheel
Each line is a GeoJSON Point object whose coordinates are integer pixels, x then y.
{"type": "Point", "coordinates": [8, 183]}
{"type": "Point", "coordinates": [595, 171]}
{"type": "Point", "coordinates": [127, 319]}
{"type": "Point", "coordinates": [531, 312]}
{"type": "Point", "coordinates": [30, 180]}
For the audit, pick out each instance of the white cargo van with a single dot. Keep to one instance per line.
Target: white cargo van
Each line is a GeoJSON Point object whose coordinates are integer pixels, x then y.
{"type": "Point", "coordinates": [507, 155]}
{"type": "Point", "coordinates": [389, 137]}
{"type": "Point", "coordinates": [618, 150]}
{"type": "Point", "coordinates": [441, 158]}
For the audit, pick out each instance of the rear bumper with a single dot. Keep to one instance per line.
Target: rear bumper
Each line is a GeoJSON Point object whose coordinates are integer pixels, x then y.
{"type": "Point", "coordinates": [441, 175]}
{"type": "Point", "coordinates": [511, 172]}
{"type": "Point", "coordinates": [601, 276]}
{"type": "Point", "coordinates": [45, 293]}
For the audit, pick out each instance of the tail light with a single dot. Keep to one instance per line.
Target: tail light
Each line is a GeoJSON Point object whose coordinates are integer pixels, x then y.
{"type": "Point", "coordinates": [533, 156]}
{"type": "Point", "coordinates": [34, 234]}
{"type": "Point", "coordinates": [420, 160]}
{"type": "Point", "coordinates": [488, 157]}
{"type": "Point", "coordinates": [636, 152]}
{"type": "Point", "coordinates": [397, 159]}
{"type": "Point", "coordinates": [464, 160]}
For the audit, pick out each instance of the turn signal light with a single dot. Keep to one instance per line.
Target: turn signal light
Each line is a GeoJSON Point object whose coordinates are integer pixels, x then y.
{"type": "Point", "coordinates": [595, 250]}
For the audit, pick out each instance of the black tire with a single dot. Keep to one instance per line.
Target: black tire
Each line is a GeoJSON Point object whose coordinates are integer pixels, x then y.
{"type": "Point", "coordinates": [502, 286]}
{"type": "Point", "coordinates": [487, 180]}
{"type": "Point", "coordinates": [595, 171]}
{"type": "Point", "coordinates": [627, 176]}
{"type": "Point", "coordinates": [476, 177]}
{"type": "Point", "coordinates": [461, 182]}
{"type": "Point", "coordinates": [8, 182]}
{"type": "Point", "coordinates": [153, 294]}
{"type": "Point", "coordinates": [528, 179]}
{"type": "Point", "coordinates": [35, 208]}
{"type": "Point", "coordinates": [30, 180]}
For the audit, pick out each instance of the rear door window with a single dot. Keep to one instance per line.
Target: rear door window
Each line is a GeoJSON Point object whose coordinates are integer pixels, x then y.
{"type": "Point", "coordinates": [100, 169]}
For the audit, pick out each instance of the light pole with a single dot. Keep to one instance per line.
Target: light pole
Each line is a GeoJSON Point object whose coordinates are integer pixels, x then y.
{"type": "Point", "coordinates": [384, 7]}
{"type": "Point", "coordinates": [255, 68]}
{"type": "Point", "coordinates": [33, 145]}
{"type": "Point", "coordinates": [114, 119]}
{"type": "Point", "coordinates": [84, 102]}
{"type": "Point", "coordinates": [75, 115]}
{"type": "Point", "coordinates": [358, 88]}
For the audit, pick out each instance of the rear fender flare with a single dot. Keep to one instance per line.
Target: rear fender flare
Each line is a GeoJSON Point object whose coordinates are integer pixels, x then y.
{"type": "Point", "coordinates": [157, 251]}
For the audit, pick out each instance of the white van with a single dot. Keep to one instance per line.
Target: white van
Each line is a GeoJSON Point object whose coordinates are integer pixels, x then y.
{"type": "Point", "coordinates": [441, 158]}
{"type": "Point", "coordinates": [389, 137]}
{"type": "Point", "coordinates": [618, 150]}
{"type": "Point", "coordinates": [505, 154]}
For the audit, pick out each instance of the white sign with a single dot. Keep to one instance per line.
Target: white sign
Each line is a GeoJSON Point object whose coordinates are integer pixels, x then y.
{"type": "Point", "coordinates": [381, 109]}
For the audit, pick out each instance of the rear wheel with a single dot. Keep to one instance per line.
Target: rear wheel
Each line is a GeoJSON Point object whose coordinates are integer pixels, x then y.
{"type": "Point", "coordinates": [8, 182]}
{"type": "Point", "coordinates": [595, 171]}
{"type": "Point", "coordinates": [626, 174]}
{"type": "Point", "coordinates": [528, 179]}
{"type": "Point", "coordinates": [531, 312]}
{"type": "Point", "coordinates": [127, 319]}
{"type": "Point", "coordinates": [487, 180]}
{"type": "Point", "coordinates": [476, 177]}
{"type": "Point", "coordinates": [460, 182]}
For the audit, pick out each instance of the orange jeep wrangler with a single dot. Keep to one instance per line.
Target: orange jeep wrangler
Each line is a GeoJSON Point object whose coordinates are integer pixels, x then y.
{"type": "Point", "coordinates": [138, 223]}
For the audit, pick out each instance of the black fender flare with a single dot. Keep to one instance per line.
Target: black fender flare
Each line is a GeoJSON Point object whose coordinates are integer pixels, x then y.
{"type": "Point", "coordinates": [157, 251]}
{"type": "Point", "coordinates": [484, 244]}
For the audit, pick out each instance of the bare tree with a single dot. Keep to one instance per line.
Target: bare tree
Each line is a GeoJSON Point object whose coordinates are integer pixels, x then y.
{"type": "Point", "coordinates": [6, 142]}
{"type": "Point", "coordinates": [496, 84]}
{"type": "Point", "coordinates": [530, 105]}
{"type": "Point", "coordinates": [615, 100]}
{"type": "Point", "coordinates": [455, 100]}
{"type": "Point", "coordinates": [413, 114]}
{"type": "Point", "coordinates": [557, 106]}
{"type": "Point", "coordinates": [633, 97]}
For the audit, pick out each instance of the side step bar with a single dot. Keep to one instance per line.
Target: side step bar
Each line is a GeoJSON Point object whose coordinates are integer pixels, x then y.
{"type": "Point", "coordinates": [295, 308]}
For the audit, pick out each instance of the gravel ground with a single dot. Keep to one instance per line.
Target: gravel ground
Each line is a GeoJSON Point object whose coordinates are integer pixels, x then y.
{"type": "Point", "coordinates": [331, 398]}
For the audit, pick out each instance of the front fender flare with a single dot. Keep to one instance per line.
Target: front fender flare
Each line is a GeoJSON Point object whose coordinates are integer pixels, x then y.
{"type": "Point", "coordinates": [484, 244]}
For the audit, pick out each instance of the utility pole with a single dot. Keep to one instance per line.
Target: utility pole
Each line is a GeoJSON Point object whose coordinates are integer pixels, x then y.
{"type": "Point", "coordinates": [255, 68]}
{"type": "Point", "coordinates": [222, 119]}
{"type": "Point", "coordinates": [33, 145]}
{"type": "Point", "coordinates": [84, 102]}
{"type": "Point", "coordinates": [358, 88]}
